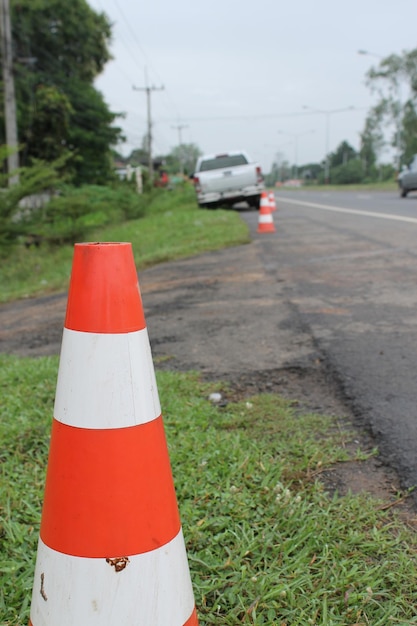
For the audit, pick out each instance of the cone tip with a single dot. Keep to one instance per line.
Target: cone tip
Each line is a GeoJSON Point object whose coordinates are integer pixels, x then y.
{"type": "Point", "coordinates": [104, 295]}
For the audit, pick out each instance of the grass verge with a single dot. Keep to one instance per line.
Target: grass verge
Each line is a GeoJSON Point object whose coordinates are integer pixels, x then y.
{"type": "Point", "coordinates": [265, 543]}
{"type": "Point", "coordinates": [173, 228]}
{"type": "Point", "coordinates": [389, 185]}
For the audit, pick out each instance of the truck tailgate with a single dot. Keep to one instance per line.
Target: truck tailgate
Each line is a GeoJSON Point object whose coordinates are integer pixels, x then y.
{"type": "Point", "coordinates": [227, 179]}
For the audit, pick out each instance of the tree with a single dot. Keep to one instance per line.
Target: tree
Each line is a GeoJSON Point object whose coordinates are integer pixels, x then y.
{"type": "Point", "coordinates": [409, 132]}
{"type": "Point", "coordinates": [310, 171]}
{"type": "Point", "coordinates": [138, 156]}
{"type": "Point", "coordinates": [183, 158]}
{"type": "Point", "coordinates": [67, 39]}
{"type": "Point", "coordinates": [91, 134]}
{"type": "Point", "coordinates": [344, 153]}
{"type": "Point", "coordinates": [339, 168]}
{"type": "Point", "coordinates": [347, 173]}
{"type": "Point", "coordinates": [16, 219]}
{"type": "Point", "coordinates": [59, 49]}
{"type": "Point", "coordinates": [395, 82]}
{"type": "Point", "coordinates": [47, 136]}
{"type": "Point", "coordinates": [372, 141]}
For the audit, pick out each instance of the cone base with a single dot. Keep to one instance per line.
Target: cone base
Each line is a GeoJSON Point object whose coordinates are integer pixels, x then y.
{"type": "Point", "coordinates": [266, 228]}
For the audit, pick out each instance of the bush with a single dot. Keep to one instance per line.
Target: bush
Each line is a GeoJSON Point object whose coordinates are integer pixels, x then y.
{"type": "Point", "coordinates": [348, 173]}
{"type": "Point", "coordinates": [77, 211]}
{"type": "Point", "coordinates": [17, 220]}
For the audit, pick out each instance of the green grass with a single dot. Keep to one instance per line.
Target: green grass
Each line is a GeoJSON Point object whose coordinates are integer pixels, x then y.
{"type": "Point", "coordinates": [265, 543]}
{"type": "Point", "coordinates": [173, 228]}
{"type": "Point", "coordinates": [376, 186]}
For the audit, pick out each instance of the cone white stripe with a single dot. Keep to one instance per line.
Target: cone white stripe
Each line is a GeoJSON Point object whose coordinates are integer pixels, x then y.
{"type": "Point", "coordinates": [121, 366]}
{"type": "Point", "coordinates": [154, 589]}
{"type": "Point", "coordinates": [265, 219]}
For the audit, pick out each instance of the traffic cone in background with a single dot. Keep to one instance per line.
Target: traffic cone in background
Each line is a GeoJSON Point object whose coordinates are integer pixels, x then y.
{"type": "Point", "coordinates": [272, 203]}
{"type": "Point", "coordinates": [111, 550]}
{"type": "Point", "coordinates": [265, 221]}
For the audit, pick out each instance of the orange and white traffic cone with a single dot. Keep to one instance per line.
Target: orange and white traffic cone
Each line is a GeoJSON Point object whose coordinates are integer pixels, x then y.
{"type": "Point", "coordinates": [272, 203]}
{"type": "Point", "coordinates": [111, 549]}
{"type": "Point", "coordinates": [265, 221]}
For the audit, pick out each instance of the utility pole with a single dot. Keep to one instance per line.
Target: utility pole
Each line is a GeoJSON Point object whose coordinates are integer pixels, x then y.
{"type": "Point", "coordinates": [179, 128]}
{"type": "Point", "coordinates": [295, 136]}
{"type": "Point", "coordinates": [148, 91]}
{"type": "Point", "coordinates": [9, 93]}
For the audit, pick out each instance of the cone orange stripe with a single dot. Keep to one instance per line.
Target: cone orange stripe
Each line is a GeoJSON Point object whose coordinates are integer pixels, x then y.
{"type": "Point", "coordinates": [193, 621]}
{"type": "Point", "coordinates": [104, 294]}
{"type": "Point", "coordinates": [110, 492]}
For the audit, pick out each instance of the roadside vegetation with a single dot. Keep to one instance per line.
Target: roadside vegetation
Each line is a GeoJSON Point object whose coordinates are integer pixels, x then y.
{"type": "Point", "coordinates": [161, 225]}
{"type": "Point", "coordinates": [391, 123]}
{"type": "Point", "coordinates": [388, 185]}
{"type": "Point", "coordinates": [345, 167]}
{"type": "Point", "coordinates": [266, 544]}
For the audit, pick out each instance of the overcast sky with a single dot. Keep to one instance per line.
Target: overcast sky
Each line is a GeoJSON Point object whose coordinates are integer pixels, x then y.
{"type": "Point", "coordinates": [237, 74]}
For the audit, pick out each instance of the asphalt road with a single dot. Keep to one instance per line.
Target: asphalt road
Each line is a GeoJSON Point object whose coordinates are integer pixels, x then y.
{"type": "Point", "coordinates": [348, 264]}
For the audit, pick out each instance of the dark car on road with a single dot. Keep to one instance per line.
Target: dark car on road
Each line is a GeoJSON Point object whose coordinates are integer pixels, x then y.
{"type": "Point", "coordinates": [407, 179]}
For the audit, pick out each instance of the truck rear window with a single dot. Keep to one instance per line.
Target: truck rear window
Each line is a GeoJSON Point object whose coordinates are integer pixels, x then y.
{"type": "Point", "coordinates": [223, 161]}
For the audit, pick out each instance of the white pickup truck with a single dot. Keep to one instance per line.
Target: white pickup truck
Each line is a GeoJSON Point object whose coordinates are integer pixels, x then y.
{"type": "Point", "coordinates": [226, 179]}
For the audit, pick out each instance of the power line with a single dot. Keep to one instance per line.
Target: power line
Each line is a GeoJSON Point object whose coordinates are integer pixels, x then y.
{"type": "Point", "coordinates": [145, 55]}
{"type": "Point", "coordinates": [132, 32]}
{"type": "Point", "coordinates": [254, 116]}
{"type": "Point", "coordinates": [136, 40]}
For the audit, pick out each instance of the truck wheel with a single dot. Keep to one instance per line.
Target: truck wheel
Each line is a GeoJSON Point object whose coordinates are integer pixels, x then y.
{"type": "Point", "coordinates": [403, 192]}
{"type": "Point", "coordinates": [255, 202]}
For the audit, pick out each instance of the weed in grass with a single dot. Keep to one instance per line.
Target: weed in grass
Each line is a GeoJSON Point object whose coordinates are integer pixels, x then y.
{"type": "Point", "coordinates": [265, 543]}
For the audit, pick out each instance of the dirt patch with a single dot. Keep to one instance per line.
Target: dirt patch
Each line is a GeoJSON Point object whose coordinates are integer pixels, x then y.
{"type": "Point", "coordinates": [314, 391]}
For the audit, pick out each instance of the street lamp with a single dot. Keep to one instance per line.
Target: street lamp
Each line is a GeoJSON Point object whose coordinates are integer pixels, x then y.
{"type": "Point", "coordinates": [328, 113]}
{"type": "Point", "coordinates": [397, 113]}
{"type": "Point", "coordinates": [295, 136]}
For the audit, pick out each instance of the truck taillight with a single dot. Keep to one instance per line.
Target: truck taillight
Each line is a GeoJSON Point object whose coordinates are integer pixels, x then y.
{"type": "Point", "coordinates": [259, 176]}
{"type": "Point", "coordinates": [197, 183]}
